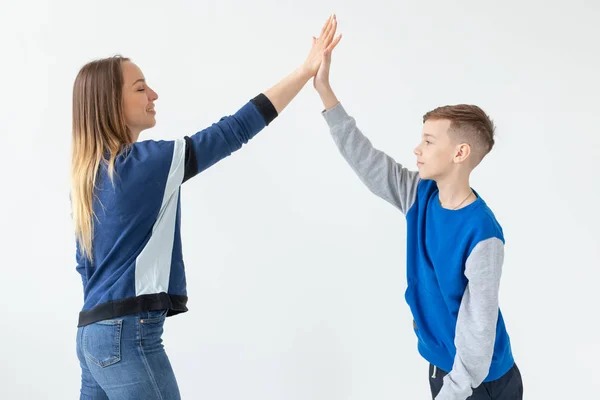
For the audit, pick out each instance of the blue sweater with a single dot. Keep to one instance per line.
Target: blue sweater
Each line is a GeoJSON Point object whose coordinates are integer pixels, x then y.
{"type": "Point", "coordinates": [441, 244]}
{"type": "Point", "coordinates": [454, 263]}
{"type": "Point", "coordinates": [138, 264]}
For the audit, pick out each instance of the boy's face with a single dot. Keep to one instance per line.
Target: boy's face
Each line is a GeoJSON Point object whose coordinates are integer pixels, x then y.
{"type": "Point", "coordinates": [436, 151]}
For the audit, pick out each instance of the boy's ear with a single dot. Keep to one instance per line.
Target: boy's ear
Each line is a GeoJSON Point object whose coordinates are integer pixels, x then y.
{"type": "Point", "coordinates": [463, 151]}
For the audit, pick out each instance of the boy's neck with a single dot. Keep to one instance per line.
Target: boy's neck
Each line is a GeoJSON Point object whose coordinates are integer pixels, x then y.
{"type": "Point", "coordinates": [455, 193]}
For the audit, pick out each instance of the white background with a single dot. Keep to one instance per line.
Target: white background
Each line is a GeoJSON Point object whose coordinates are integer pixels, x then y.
{"type": "Point", "coordinates": [296, 272]}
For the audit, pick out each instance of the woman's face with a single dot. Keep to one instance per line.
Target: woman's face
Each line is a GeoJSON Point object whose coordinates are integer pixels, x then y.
{"type": "Point", "coordinates": [138, 100]}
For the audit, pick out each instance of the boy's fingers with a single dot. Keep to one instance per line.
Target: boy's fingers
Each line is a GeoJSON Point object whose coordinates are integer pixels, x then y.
{"type": "Point", "coordinates": [334, 43]}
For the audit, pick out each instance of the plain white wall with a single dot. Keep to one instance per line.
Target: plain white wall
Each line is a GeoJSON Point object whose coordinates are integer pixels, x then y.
{"type": "Point", "coordinates": [296, 272]}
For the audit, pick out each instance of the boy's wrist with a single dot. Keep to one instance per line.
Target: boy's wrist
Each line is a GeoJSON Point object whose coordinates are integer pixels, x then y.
{"type": "Point", "coordinates": [328, 98]}
{"type": "Point", "coordinates": [323, 88]}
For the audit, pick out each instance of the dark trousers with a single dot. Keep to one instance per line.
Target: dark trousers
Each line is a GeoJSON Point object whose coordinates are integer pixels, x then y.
{"type": "Point", "coordinates": [507, 387]}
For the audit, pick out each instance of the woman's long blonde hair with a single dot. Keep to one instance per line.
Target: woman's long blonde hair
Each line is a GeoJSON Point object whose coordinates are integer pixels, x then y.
{"type": "Point", "coordinates": [99, 134]}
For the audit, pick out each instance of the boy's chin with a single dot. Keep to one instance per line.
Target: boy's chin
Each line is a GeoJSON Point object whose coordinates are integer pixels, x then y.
{"type": "Point", "coordinates": [429, 177]}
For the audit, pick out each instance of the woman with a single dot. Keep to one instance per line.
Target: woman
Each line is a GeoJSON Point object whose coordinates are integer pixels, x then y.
{"type": "Point", "coordinates": [126, 211]}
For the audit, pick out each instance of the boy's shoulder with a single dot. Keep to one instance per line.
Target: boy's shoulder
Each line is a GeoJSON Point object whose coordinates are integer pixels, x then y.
{"type": "Point", "coordinates": [483, 222]}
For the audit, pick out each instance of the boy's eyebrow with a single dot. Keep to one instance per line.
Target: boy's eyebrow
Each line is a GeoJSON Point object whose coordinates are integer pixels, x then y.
{"type": "Point", "coordinates": [428, 134]}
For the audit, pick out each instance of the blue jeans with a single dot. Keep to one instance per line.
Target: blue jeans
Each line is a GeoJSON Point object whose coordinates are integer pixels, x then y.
{"type": "Point", "coordinates": [124, 358]}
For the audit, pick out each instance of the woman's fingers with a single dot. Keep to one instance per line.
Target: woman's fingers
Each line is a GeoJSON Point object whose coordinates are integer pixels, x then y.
{"type": "Point", "coordinates": [325, 41]}
{"type": "Point", "coordinates": [331, 34]}
{"type": "Point", "coordinates": [327, 23]}
{"type": "Point", "coordinates": [328, 34]}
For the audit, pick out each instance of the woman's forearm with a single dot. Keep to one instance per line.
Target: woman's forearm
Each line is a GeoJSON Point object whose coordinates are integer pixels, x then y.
{"type": "Point", "coordinates": [284, 92]}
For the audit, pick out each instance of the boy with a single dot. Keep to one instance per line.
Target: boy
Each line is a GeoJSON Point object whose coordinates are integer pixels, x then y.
{"type": "Point", "coordinates": [455, 246]}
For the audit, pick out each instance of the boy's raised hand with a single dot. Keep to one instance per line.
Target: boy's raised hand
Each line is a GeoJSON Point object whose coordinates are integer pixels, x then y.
{"type": "Point", "coordinates": [322, 45]}
{"type": "Point", "coordinates": [321, 79]}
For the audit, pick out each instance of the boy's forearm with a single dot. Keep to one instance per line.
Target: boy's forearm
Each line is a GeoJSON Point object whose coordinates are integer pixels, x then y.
{"type": "Point", "coordinates": [285, 90]}
{"type": "Point", "coordinates": [378, 171]}
{"type": "Point", "coordinates": [477, 320]}
{"type": "Point", "coordinates": [328, 97]}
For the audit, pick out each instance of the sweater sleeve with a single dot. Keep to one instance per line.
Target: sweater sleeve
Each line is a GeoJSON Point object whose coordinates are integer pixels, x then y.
{"type": "Point", "coordinates": [379, 172]}
{"type": "Point", "coordinates": [477, 320]}
{"type": "Point", "coordinates": [206, 147]}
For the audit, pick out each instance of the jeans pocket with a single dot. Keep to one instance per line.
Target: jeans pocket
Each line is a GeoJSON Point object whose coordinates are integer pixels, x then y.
{"type": "Point", "coordinates": [102, 342]}
{"type": "Point", "coordinates": [151, 330]}
{"type": "Point", "coordinates": [153, 317]}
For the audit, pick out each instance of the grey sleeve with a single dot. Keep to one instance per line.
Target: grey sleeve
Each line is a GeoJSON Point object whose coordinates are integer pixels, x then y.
{"type": "Point", "coordinates": [378, 171]}
{"type": "Point", "coordinates": [477, 319]}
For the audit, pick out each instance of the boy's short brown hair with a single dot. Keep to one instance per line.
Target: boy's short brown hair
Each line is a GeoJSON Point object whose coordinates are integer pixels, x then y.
{"type": "Point", "coordinates": [469, 124]}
